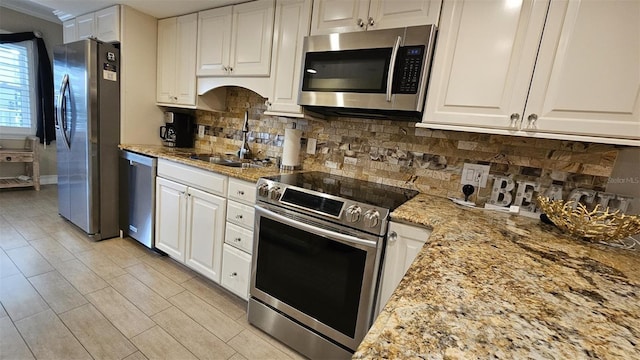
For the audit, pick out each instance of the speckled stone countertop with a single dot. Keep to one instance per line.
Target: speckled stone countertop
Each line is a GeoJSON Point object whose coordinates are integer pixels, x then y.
{"type": "Point", "coordinates": [494, 285]}
{"type": "Point", "coordinates": [181, 155]}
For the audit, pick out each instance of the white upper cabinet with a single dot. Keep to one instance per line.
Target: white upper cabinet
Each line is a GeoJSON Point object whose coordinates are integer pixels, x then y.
{"type": "Point", "coordinates": [214, 41]}
{"type": "Point", "coordinates": [69, 31]}
{"type": "Point", "coordinates": [176, 82]}
{"type": "Point", "coordinates": [291, 26]}
{"type": "Point", "coordinates": [587, 77]}
{"type": "Point", "coordinates": [108, 24]}
{"type": "Point", "coordinates": [236, 40]}
{"type": "Point", "coordinates": [103, 25]}
{"type": "Point", "coordinates": [483, 64]}
{"type": "Point", "coordinates": [330, 16]}
{"type": "Point", "coordinates": [500, 68]}
{"type": "Point", "coordinates": [86, 25]}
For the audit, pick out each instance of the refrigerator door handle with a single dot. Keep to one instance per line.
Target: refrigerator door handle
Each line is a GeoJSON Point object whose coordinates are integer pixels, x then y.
{"type": "Point", "coordinates": [61, 121]}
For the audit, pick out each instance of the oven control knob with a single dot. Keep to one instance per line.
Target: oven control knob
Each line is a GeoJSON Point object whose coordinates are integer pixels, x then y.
{"type": "Point", "coordinates": [263, 190]}
{"type": "Point", "coordinates": [274, 193]}
{"type": "Point", "coordinates": [371, 218]}
{"type": "Point", "coordinates": [353, 213]}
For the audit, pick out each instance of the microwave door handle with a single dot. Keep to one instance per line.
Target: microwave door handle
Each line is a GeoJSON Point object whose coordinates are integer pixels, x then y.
{"type": "Point", "coordinates": [392, 66]}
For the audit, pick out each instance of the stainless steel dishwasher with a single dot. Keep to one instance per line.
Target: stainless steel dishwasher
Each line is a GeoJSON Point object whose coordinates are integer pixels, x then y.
{"type": "Point", "coordinates": [137, 196]}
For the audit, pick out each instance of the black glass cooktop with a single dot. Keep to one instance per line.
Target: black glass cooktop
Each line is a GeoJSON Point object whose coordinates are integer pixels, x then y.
{"type": "Point", "coordinates": [381, 195]}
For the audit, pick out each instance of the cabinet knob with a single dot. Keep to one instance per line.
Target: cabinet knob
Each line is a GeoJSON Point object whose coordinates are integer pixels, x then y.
{"type": "Point", "coordinates": [514, 119]}
{"type": "Point", "coordinates": [393, 236]}
{"type": "Point", "coordinates": [225, 69]}
{"type": "Point", "coordinates": [360, 23]}
{"type": "Point", "coordinates": [532, 120]}
{"type": "Point", "coordinates": [230, 69]}
{"type": "Point", "coordinates": [239, 216]}
{"type": "Point", "coordinates": [237, 240]}
{"type": "Point", "coordinates": [240, 193]}
{"type": "Point", "coordinates": [233, 274]}
{"type": "Point", "coordinates": [371, 22]}
{"type": "Point", "coordinates": [8, 158]}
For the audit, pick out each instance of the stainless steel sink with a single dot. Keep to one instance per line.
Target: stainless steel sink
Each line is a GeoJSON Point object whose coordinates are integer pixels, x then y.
{"type": "Point", "coordinates": [225, 161]}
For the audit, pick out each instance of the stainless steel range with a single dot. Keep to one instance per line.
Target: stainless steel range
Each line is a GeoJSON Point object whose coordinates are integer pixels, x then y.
{"type": "Point", "coordinates": [318, 247]}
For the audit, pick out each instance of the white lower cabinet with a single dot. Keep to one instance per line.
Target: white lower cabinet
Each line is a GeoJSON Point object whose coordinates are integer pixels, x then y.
{"type": "Point", "coordinates": [236, 269]}
{"type": "Point", "coordinates": [205, 233]}
{"type": "Point", "coordinates": [236, 261]}
{"type": "Point", "coordinates": [190, 216]}
{"type": "Point", "coordinates": [171, 217]}
{"type": "Point", "coordinates": [404, 242]}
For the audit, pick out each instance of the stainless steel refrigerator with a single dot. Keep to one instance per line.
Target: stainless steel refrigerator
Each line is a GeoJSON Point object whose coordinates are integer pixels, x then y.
{"type": "Point", "coordinates": [87, 76]}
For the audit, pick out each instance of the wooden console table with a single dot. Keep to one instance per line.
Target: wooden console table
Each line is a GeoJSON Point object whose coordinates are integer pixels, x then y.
{"type": "Point", "coordinates": [29, 156]}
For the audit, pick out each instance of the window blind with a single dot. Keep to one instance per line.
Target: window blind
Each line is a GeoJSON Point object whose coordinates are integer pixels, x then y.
{"type": "Point", "coordinates": [16, 84]}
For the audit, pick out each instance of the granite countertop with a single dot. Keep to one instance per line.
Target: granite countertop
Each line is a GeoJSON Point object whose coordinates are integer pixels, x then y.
{"type": "Point", "coordinates": [181, 155]}
{"type": "Point", "coordinates": [495, 285]}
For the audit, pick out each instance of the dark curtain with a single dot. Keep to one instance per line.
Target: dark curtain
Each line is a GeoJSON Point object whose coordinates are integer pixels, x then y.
{"type": "Point", "coordinates": [45, 130]}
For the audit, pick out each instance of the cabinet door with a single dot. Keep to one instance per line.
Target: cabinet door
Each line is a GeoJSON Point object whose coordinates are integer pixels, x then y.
{"type": "Point", "coordinates": [214, 41]}
{"type": "Point", "coordinates": [388, 14]}
{"type": "Point", "coordinates": [108, 24]}
{"type": "Point", "coordinates": [167, 39]}
{"type": "Point", "coordinates": [403, 245]}
{"type": "Point", "coordinates": [205, 233]}
{"type": "Point", "coordinates": [291, 26]}
{"type": "Point", "coordinates": [483, 63]}
{"type": "Point", "coordinates": [587, 78]}
{"type": "Point", "coordinates": [186, 37]}
{"type": "Point", "coordinates": [330, 16]}
{"type": "Point", "coordinates": [171, 213]}
{"type": "Point", "coordinates": [252, 38]}
{"type": "Point", "coordinates": [236, 269]}
{"type": "Point", "coordinates": [69, 31]}
{"type": "Point", "coordinates": [86, 25]}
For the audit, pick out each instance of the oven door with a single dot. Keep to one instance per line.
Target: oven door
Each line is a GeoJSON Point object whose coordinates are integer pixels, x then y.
{"type": "Point", "coordinates": [322, 277]}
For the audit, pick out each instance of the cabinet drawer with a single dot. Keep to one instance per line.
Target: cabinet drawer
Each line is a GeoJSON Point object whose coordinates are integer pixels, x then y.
{"type": "Point", "coordinates": [240, 214]}
{"type": "Point", "coordinates": [242, 191]}
{"type": "Point", "coordinates": [239, 237]}
{"type": "Point", "coordinates": [236, 269]}
{"type": "Point", "coordinates": [202, 179]}
{"type": "Point", "coordinates": [22, 156]}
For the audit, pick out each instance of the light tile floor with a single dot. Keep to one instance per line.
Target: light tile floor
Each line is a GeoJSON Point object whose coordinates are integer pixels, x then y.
{"type": "Point", "coordinates": [65, 296]}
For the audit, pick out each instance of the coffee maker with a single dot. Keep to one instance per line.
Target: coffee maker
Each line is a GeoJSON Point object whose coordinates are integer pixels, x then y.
{"type": "Point", "coordinates": [177, 130]}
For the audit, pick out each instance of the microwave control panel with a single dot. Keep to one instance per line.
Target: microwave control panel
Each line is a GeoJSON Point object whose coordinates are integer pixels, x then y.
{"type": "Point", "coordinates": [408, 69]}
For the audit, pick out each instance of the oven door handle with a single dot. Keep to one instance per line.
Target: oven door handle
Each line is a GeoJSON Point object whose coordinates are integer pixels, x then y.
{"type": "Point", "coordinates": [316, 230]}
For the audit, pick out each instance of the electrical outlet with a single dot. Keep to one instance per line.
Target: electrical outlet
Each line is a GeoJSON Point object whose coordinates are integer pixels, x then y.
{"type": "Point", "coordinates": [475, 174]}
{"type": "Point", "coordinates": [200, 131]}
{"type": "Point", "coordinates": [311, 146]}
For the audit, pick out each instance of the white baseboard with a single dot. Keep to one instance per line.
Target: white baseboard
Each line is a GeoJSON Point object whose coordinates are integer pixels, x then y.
{"type": "Point", "coordinates": [48, 179]}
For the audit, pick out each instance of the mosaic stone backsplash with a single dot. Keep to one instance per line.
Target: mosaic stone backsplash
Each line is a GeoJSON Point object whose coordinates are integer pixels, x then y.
{"type": "Point", "coordinates": [399, 154]}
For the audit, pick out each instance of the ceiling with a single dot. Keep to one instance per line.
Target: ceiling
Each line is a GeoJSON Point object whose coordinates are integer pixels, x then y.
{"type": "Point", "coordinates": [60, 10]}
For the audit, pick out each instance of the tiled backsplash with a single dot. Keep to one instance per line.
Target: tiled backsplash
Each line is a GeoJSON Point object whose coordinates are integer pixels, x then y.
{"type": "Point", "coordinates": [398, 153]}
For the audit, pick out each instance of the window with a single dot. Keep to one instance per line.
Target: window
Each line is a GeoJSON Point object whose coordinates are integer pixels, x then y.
{"type": "Point", "coordinates": [17, 89]}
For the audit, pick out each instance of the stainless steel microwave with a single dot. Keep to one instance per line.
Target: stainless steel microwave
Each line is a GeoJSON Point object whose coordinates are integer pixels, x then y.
{"type": "Point", "coordinates": [377, 74]}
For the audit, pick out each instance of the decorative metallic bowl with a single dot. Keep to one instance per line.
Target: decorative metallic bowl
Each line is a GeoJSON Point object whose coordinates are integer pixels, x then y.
{"type": "Point", "coordinates": [595, 225]}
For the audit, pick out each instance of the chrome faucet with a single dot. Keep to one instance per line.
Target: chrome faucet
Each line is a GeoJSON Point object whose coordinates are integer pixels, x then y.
{"type": "Point", "coordinates": [245, 152]}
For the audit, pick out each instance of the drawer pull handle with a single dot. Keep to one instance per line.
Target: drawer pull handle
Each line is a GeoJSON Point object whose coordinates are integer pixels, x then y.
{"type": "Point", "coordinates": [8, 158]}
{"type": "Point", "coordinates": [233, 274]}
{"type": "Point", "coordinates": [240, 193]}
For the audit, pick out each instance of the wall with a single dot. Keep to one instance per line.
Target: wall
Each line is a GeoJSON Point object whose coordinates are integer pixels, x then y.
{"type": "Point", "coordinates": [399, 154]}
{"type": "Point", "coordinates": [14, 21]}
